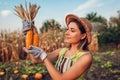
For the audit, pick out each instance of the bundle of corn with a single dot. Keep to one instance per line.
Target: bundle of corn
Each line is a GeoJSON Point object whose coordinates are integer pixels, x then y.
{"type": "Point", "coordinates": [32, 37]}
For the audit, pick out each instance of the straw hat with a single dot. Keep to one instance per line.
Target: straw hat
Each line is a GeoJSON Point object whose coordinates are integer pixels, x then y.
{"type": "Point", "coordinates": [86, 24]}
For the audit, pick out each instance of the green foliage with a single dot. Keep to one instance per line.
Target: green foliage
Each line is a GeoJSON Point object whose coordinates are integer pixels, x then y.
{"type": "Point", "coordinates": [93, 17]}
{"type": "Point", "coordinates": [105, 66]}
{"type": "Point", "coordinates": [2, 66]}
{"type": "Point", "coordinates": [109, 31]}
{"type": "Point", "coordinates": [49, 24]}
{"type": "Point", "coordinates": [97, 59]}
{"type": "Point", "coordinates": [108, 64]}
{"type": "Point", "coordinates": [27, 67]}
{"type": "Point", "coordinates": [23, 67]}
{"type": "Point", "coordinates": [110, 35]}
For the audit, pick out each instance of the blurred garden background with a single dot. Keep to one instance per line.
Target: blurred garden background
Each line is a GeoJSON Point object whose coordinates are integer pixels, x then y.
{"type": "Point", "coordinates": [106, 44]}
{"type": "Point", "coordinates": [16, 65]}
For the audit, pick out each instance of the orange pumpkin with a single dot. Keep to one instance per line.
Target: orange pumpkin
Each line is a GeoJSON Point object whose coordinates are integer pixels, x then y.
{"type": "Point", "coordinates": [2, 73]}
{"type": "Point", "coordinates": [38, 76]}
{"type": "Point", "coordinates": [16, 71]}
{"type": "Point", "coordinates": [24, 76]}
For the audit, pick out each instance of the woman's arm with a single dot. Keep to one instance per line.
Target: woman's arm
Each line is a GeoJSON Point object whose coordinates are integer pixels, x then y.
{"type": "Point", "coordinates": [72, 73]}
{"type": "Point", "coordinates": [53, 55]}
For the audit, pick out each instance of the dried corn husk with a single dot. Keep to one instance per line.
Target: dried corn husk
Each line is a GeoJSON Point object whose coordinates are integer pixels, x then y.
{"type": "Point", "coordinates": [32, 37]}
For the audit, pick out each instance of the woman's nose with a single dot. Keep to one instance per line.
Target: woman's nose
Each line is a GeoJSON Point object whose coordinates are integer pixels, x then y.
{"type": "Point", "coordinates": [67, 32]}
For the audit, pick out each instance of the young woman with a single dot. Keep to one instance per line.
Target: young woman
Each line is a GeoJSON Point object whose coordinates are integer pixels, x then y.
{"type": "Point", "coordinates": [73, 61]}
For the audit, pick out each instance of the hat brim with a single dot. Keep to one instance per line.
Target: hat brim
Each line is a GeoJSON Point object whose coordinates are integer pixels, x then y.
{"type": "Point", "coordinates": [83, 21]}
{"type": "Point", "coordinates": [69, 17]}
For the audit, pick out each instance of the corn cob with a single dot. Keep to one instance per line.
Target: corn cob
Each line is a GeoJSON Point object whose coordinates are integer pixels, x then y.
{"type": "Point", "coordinates": [29, 38]}
{"type": "Point", "coordinates": [35, 39]}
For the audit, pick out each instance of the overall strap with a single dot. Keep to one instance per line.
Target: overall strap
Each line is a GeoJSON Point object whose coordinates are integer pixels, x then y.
{"type": "Point", "coordinates": [62, 51]}
{"type": "Point", "coordinates": [78, 54]}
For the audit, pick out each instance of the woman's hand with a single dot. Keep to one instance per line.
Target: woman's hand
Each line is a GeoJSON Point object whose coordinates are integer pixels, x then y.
{"type": "Point", "coordinates": [26, 26]}
{"type": "Point", "coordinates": [36, 52]}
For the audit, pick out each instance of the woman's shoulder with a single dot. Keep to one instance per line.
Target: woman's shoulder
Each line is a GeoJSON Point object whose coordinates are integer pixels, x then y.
{"type": "Point", "coordinates": [86, 55]}
{"type": "Point", "coordinates": [83, 53]}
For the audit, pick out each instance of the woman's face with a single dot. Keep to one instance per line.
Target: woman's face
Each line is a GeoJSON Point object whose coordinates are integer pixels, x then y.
{"type": "Point", "coordinates": [73, 34]}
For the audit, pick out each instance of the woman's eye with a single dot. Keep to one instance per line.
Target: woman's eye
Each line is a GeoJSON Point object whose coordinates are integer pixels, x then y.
{"type": "Point", "coordinates": [72, 30]}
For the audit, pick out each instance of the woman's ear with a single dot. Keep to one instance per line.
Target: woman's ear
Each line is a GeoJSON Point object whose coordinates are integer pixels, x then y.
{"type": "Point", "coordinates": [83, 36]}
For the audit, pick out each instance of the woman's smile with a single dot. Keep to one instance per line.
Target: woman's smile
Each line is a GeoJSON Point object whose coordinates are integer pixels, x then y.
{"type": "Point", "coordinates": [68, 37]}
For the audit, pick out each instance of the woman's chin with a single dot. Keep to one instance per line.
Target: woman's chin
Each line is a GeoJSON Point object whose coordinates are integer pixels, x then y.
{"type": "Point", "coordinates": [66, 41]}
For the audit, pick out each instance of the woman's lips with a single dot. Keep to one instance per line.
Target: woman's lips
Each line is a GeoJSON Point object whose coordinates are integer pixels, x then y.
{"type": "Point", "coordinates": [67, 37]}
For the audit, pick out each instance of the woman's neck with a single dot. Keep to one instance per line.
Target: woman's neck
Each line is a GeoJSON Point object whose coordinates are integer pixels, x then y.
{"type": "Point", "coordinates": [72, 50]}
{"type": "Point", "coordinates": [74, 47]}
